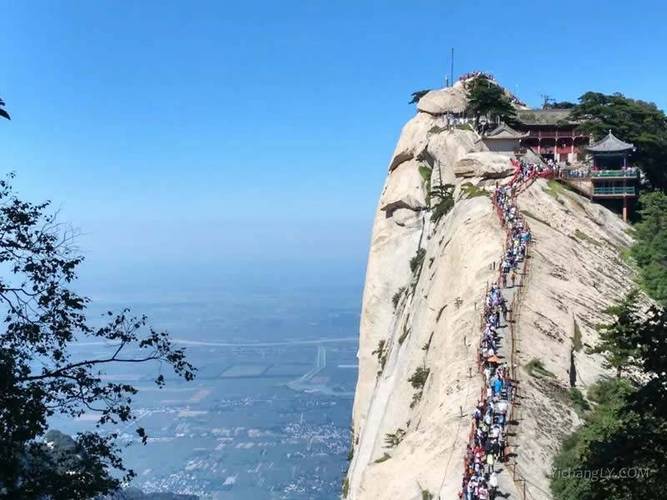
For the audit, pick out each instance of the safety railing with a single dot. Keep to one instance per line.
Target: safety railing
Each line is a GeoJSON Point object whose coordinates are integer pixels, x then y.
{"type": "Point", "coordinates": [552, 134]}
{"type": "Point", "coordinates": [518, 477]}
{"type": "Point", "coordinates": [575, 175]}
{"type": "Point", "coordinates": [627, 173]}
{"type": "Point", "coordinates": [614, 190]}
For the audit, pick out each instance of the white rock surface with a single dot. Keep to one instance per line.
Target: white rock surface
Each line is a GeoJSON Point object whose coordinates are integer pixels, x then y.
{"type": "Point", "coordinates": [414, 138]}
{"type": "Point", "coordinates": [575, 271]}
{"type": "Point", "coordinates": [436, 433]}
{"type": "Point", "coordinates": [449, 147]}
{"type": "Point", "coordinates": [484, 164]}
{"type": "Point", "coordinates": [404, 189]}
{"type": "Point", "coordinates": [448, 100]}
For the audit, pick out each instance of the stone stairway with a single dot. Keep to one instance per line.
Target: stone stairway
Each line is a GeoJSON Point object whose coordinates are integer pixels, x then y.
{"type": "Point", "coordinates": [507, 485]}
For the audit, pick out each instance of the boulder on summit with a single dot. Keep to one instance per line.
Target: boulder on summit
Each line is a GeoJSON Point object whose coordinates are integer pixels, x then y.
{"type": "Point", "coordinates": [483, 164]}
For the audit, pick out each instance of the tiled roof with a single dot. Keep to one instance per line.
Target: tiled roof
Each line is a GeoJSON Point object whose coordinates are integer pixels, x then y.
{"type": "Point", "coordinates": [609, 144]}
{"type": "Point", "coordinates": [504, 131]}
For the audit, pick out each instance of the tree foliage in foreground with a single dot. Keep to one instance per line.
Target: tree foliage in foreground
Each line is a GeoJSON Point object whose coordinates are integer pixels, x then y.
{"type": "Point", "coordinates": [620, 453]}
{"type": "Point", "coordinates": [39, 377]}
{"type": "Point", "coordinates": [650, 248]}
{"type": "Point", "coordinates": [639, 122]}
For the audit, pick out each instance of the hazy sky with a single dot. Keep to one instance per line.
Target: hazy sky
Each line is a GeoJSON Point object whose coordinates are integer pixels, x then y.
{"type": "Point", "coordinates": [190, 139]}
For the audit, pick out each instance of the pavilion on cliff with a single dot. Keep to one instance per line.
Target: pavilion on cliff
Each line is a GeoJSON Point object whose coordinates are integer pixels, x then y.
{"type": "Point", "coordinates": [611, 176]}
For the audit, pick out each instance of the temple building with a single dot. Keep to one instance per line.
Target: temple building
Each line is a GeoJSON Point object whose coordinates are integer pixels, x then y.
{"type": "Point", "coordinates": [611, 176]}
{"type": "Point", "coordinates": [552, 134]}
{"type": "Point", "coordinates": [610, 153]}
{"type": "Point", "coordinates": [504, 139]}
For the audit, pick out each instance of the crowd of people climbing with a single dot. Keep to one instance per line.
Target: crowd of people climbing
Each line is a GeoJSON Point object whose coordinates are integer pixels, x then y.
{"type": "Point", "coordinates": [518, 235]}
{"type": "Point", "coordinates": [524, 170]}
{"type": "Point", "coordinates": [586, 172]}
{"type": "Point", "coordinates": [487, 442]}
{"type": "Point", "coordinates": [578, 173]}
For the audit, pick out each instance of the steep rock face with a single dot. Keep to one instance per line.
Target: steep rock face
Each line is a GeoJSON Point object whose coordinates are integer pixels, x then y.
{"type": "Point", "coordinates": [432, 324]}
{"type": "Point", "coordinates": [397, 234]}
{"type": "Point", "coordinates": [404, 189]}
{"type": "Point", "coordinates": [576, 272]}
{"type": "Point", "coordinates": [430, 317]}
{"type": "Point", "coordinates": [414, 138]}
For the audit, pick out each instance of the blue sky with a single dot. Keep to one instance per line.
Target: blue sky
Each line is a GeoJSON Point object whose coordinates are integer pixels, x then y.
{"type": "Point", "coordinates": [192, 139]}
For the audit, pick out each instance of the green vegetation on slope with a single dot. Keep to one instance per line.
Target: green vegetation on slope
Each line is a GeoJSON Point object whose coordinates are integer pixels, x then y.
{"type": "Point", "coordinates": [396, 298]}
{"type": "Point", "coordinates": [425, 171]}
{"type": "Point", "coordinates": [535, 368]}
{"type": "Point", "coordinates": [621, 451]}
{"type": "Point", "coordinates": [472, 191]}
{"type": "Point", "coordinates": [603, 420]}
{"type": "Point", "coordinates": [579, 402]}
{"type": "Point", "coordinates": [418, 380]}
{"type": "Point", "coordinates": [614, 342]}
{"type": "Point", "coordinates": [650, 249]}
{"type": "Point", "coordinates": [576, 338]}
{"type": "Point", "coordinates": [445, 195]}
{"type": "Point", "coordinates": [393, 439]}
{"type": "Point", "coordinates": [417, 261]}
{"type": "Point", "coordinates": [555, 189]}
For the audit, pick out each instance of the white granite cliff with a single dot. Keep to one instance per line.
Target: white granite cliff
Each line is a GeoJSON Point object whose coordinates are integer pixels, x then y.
{"type": "Point", "coordinates": [430, 318]}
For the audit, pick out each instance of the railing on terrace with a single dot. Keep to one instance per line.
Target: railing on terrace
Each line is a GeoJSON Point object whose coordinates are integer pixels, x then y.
{"type": "Point", "coordinates": [575, 175]}
{"type": "Point", "coordinates": [550, 134]}
{"type": "Point", "coordinates": [614, 190]}
{"type": "Point", "coordinates": [615, 173]}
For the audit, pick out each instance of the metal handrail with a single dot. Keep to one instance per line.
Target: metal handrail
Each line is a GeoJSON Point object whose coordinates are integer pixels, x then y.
{"type": "Point", "coordinates": [614, 190]}
{"type": "Point", "coordinates": [615, 173]}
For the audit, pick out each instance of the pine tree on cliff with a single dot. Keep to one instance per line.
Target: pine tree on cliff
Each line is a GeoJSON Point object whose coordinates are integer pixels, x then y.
{"type": "Point", "coordinates": [650, 249]}
{"type": "Point", "coordinates": [621, 451]}
{"type": "Point", "coordinates": [486, 98]}
{"type": "Point", "coordinates": [618, 340]}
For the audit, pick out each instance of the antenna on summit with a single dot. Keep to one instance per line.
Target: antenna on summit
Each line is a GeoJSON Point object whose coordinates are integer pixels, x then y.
{"type": "Point", "coordinates": [451, 69]}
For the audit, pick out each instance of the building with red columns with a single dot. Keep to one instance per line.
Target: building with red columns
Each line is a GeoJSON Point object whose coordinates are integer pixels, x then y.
{"type": "Point", "coordinates": [552, 134]}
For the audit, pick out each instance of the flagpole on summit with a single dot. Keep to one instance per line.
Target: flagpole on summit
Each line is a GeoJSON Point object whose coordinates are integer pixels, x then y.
{"type": "Point", "coordinates": [451, 69]}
